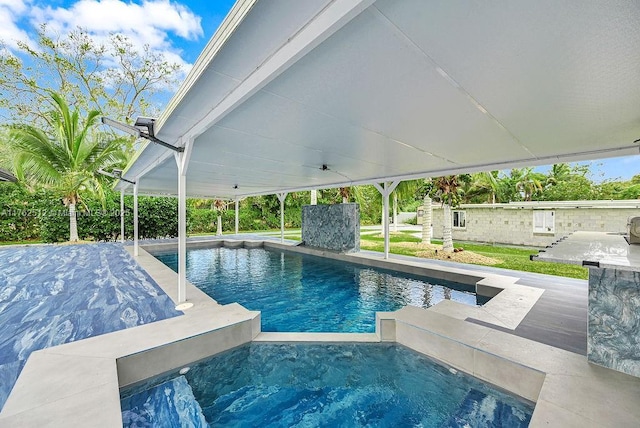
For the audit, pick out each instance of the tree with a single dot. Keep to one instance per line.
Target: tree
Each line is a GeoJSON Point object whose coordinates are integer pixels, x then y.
{"type": "Point", "coordinates": [631, 192]}
{"type": "Point", "coordinates": [559, 172]}
{"type": "Point", "coordinates": [69, 160]}
{"type": "Point", "coordinates": [345, 194]}
{"type": "Point", "coordinates": [427, 215]}
{"type": "Point", "coordinates": [447, 190]}
{"type": "Point", "coordinates": [113, 77]}
{"type": "Point", "coordinates": [529, 183]}
{"type": "Point", "coordinates": [565, 183]}
{"type": "Point", "coordinates": [482, 188]}
{"type": "Point", "coordinates": [403, 190]}
{"type": "Point", "coordinates": [219, 206]}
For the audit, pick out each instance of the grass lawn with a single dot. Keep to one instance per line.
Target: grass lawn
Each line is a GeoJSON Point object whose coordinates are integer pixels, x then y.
{"type": "Point", "coordinates": [510, 258]}
{"type": "Point", "coordinates": [19, 242]}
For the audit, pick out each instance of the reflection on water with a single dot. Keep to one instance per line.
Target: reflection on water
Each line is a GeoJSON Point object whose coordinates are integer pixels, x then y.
{"type": "Point", "coordinates": [305, 293]}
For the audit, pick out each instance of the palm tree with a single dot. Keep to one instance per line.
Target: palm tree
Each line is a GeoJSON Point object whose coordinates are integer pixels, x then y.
{"type": "Point", "coordinates": [558, 173]}
{"type": "Point", "coordinates": [345, 194]}
{"type": "Point", "coordinates": [483, 187]}
{"type": "Point", "coordinates": [69, 160]}
{"type": "Point", "coordinates": [529, 183]}
{"type": "Point", "coordinates": [427, 213]}
{"type": "Point", "coordinates": [447, 190]}
{"type": "Point", "coordinates": [404, 189]}
{"type": "Point", "coordinates": [219, 206]}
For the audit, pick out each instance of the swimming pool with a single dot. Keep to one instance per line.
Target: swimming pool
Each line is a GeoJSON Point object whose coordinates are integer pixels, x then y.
{"type": "Point", "coordinates": [302, 293]}
{"type": "Point", "coordinates": [285, 384]}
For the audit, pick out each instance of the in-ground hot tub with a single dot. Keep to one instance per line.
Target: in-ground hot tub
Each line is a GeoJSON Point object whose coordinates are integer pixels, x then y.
{"type": "Point", "coordinates": [306, 384]}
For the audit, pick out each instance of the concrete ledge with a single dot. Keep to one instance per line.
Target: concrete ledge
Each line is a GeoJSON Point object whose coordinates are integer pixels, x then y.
{"type": "Point", "coordinates": [317, 337]}
{"type": "Point", "coordinates": [152, 362]}
{"type": "Point", "coordinates": [233, 244]}
{"type": "Point", "coordinates": [567, 389]}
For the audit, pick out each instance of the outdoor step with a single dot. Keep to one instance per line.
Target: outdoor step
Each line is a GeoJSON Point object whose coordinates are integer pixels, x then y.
{"type": "Point", "coordinates": [171, 403]}
{"type": "Point", "coordinates": [481, 410]}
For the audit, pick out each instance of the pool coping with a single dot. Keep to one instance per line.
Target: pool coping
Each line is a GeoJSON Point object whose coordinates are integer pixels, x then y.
{"type": "Point", "coordinates": [78, 383]}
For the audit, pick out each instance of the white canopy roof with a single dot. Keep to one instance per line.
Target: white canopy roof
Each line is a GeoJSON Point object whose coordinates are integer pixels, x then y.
{"type": "Point", "coordinates": [389, 89]}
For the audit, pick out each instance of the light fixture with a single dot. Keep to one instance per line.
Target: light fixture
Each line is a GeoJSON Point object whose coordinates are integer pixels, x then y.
{"type": "Point", "coordinates": [121, 126]}
{"type": "Point", "coordinates": [7, 176]}
{"type": "Point", "coordinates": [136, 132]}
{"type": "Point", "coordinates": [146, 122]}
{"type": "Point", "coordinates": [116, 173]}
{"type": "Point", "coordinates": [324, 167]}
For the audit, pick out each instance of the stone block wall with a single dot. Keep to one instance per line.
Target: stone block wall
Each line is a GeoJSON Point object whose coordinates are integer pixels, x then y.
{"type": "Point", "coordinates": [515, 225]}
{"type": "Point", "coordinates": [332, 227]}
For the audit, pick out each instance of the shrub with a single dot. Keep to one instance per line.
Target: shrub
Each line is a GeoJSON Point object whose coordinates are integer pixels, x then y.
{"type": "Point", "coordinates": [19, 213]}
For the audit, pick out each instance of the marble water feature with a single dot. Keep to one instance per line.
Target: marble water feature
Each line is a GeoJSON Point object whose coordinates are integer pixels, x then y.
{"type": "Point", "coordinates": [614, 319]}
{"type": "Point", "coordinates": [55, 294]}
{"type": "Point", "coordinates": [332, 227]}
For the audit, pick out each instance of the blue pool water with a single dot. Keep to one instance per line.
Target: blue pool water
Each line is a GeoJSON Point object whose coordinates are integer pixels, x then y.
{"type": "Point", "coordinates": [310, 294]}
{"type": "Point", "coordinates": [345, 385]}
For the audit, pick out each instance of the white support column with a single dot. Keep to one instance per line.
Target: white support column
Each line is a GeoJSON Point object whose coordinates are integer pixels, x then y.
{"type": "Point", "coordinates": [282, 197]}
{"type": "Point", "coordinates": [237, 215]}
{"type": "Point", "coordinates": [182, 233]}
{"type": "Point", "coordinates": [385, 191]}
{"type": "Point", "coordinates": [182, 161]}
{"type": "Point", "coordinates": [385, 200]}
{"type": "Point", "coordinates": [122, 215]}
{"type": "Point", "coordinates": [135, 218]}
{"type": "Point", "coordinates": [314, 197]}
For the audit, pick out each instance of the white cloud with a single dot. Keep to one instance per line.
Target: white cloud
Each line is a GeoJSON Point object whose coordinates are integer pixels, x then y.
{"type": "Point", "coordinates": [155, 23]}
{"type": "Point", "coordinates": [149, 21]}
{"type": "Point", "coordinates": [10, 13]}
{"type": "Point", "coordinates": [17, 6]}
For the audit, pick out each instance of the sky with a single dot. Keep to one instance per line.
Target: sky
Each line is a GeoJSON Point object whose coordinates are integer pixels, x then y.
{"type": "Point", "coordinates": [179, 29]}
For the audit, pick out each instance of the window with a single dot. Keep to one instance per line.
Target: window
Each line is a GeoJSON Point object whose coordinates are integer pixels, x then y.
{"type": "Point", "coordinates": [544, 222]}
{"type": "Point", "coordinates": [459, 219]}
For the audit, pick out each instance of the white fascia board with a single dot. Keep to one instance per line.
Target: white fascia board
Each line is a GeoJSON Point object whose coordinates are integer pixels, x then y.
{"type": "Point", "coordinates": [228, 26]}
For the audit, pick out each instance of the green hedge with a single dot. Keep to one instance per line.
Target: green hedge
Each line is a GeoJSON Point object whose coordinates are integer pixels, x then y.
{"type": "Point", "coordinates": [40, 215]}
{"type": "Point", "coordinates": [19, 213]}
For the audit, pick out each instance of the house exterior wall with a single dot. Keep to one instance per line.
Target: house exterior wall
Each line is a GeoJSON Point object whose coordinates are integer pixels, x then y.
{"type": "Point", "coordinates": [513, 223]}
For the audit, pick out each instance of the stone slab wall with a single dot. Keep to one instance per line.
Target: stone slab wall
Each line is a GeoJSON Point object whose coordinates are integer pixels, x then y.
{"type": "Point", "coordinates": [515, 226]}
{"type": "Point", "coordinates": [332, 227]}
{"type": "Point", "coordinates": [613, 338]}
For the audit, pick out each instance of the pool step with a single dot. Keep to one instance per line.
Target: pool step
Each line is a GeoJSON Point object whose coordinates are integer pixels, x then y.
{"type": "Point", "coordinates": [169, 404]}
{"type": "Point", "coordinates": [481, 410]}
